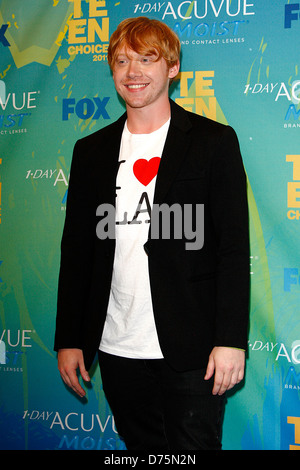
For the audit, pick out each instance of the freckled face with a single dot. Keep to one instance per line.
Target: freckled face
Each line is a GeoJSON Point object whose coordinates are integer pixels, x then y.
{"type": "Point", "coordinates": [142, 80]}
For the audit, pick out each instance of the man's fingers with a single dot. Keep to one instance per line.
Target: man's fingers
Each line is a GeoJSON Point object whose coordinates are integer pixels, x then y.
{"type": "Point", "coordinates": [218, 383]}
{"type": "Point", "coordinates": [84, 373]}
{"type": "Point", "coordinates": [229, 365]}
{"type": "Point", "coordinates": [210, 369]}
{"type": "Point", "coordinates": [226, 381]}
{"type": "Point", "coordinates": [69, 360]}
{"type": "Point", "coordinates": [71, 379]}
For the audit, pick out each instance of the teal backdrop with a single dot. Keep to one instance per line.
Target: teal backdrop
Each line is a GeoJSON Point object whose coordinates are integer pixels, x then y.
{"type": "Point", "coordinates": [240, 65]}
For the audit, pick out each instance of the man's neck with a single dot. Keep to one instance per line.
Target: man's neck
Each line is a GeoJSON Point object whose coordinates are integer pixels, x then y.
{"type": "Point", "coordinates": [147, 120]}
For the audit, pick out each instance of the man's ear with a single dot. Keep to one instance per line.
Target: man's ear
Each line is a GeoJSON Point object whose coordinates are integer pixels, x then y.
{"type": "Point", "coordinates": [173, 71]}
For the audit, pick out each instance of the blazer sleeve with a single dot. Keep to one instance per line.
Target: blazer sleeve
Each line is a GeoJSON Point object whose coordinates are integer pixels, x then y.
{"type": "Point", "coordinates": [77, 248]}
{"type": "Point", "coordinates": [229, 211]}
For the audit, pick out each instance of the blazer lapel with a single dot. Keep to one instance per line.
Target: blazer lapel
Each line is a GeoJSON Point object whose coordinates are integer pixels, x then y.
{"type": "Point", "coordinates": [174, 151]}
{"type": "Point", "coordinates": [110, 150]}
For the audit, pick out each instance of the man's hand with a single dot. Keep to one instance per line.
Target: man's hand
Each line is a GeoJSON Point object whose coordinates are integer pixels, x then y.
{"type": "Point", "coordinates": [228, 364]}
{"type": "Point", "coordinates": [69, 360]}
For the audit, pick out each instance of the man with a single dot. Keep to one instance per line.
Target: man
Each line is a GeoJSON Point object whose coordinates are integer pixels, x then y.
{"type": "Point", "coordinates": [169, 318]}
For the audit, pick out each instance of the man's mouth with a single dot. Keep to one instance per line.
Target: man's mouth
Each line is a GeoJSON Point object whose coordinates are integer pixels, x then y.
{"type": "Point", "coordinates": [136, 86]}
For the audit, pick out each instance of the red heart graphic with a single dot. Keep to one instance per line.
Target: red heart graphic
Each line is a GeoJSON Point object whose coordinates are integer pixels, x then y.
{"type": "Point", "coordinates": [145, 170]}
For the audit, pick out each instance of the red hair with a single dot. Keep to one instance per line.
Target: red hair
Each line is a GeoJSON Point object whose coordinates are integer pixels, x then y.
{"type": "Point", "coordinates": [146, 37]}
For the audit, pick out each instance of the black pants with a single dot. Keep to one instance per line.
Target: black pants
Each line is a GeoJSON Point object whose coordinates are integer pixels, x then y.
{"type": "Point", "coordinates": [157, 408]}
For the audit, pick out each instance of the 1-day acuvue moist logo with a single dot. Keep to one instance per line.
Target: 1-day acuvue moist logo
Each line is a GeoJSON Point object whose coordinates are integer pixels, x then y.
{"type": "Point", "coordinates": [203, 21]}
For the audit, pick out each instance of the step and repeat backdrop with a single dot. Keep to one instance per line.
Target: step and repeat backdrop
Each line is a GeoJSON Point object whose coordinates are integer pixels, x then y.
{"type": "Point", "coordinates": [240, 65]}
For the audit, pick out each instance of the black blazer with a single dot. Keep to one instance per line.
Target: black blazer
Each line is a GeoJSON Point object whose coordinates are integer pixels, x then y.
{"type": "Point", "coordinates": [200, 297]}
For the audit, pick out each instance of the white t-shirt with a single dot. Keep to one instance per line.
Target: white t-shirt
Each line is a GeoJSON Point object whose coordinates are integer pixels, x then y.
{"type": "Point", "coordinates": [129, 330]}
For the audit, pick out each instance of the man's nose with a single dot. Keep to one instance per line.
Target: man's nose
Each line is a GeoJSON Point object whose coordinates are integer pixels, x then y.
{"type": "Point", "coordinates": [134, 68]}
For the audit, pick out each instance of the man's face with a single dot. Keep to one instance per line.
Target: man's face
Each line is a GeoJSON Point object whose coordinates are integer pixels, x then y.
{"type": "Point", "coordinates": [141, 80]}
